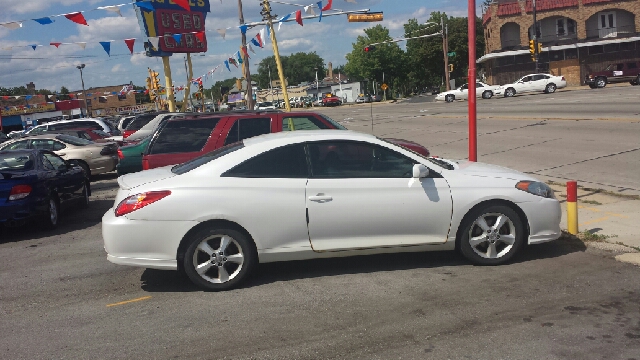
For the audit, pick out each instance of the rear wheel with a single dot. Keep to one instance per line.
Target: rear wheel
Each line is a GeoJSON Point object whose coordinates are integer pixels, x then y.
{"type": "Point", "coordinates": [550, 89]}
{"type": "Point", "coordinates": [510, 92]}
{"type": "Point", "coordinates": [449, 98]}
{"type": "Point", "coordinates": [52, 214]}
{"type": "Point", "coordinates": [492, 235]}
{"type": "Point", "coordinates": [219, 259]}
{"type": "Point", "coordinates": [85, 195]}
{"type": "Point", "coordinates": [601, 82]}
{"type": "Point", "coordinates": [636, 81]}
{"type": "Point", "coordinates": [85, 168]}
{"type": "Point", "coordinates": [487, 94]}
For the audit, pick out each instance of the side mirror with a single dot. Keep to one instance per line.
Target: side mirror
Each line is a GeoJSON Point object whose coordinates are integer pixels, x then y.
{"type": "Point", "coordinates": [420, 171]}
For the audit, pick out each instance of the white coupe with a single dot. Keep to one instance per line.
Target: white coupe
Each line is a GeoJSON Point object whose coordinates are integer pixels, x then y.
{"type": "Point", "coordinates": [545, 83]}
{"type": "Point", "coordinates": [317, 194]}
{"type": "Point", "coordinates": [462, 93]}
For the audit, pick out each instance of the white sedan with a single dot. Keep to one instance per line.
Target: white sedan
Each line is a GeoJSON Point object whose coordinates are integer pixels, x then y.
{"type": "Point", "coordinates": [533, 83]}
{"type": "Point", "coordinates": [462, 93]}
{"type": "Point", "coordinates": [318, 194]}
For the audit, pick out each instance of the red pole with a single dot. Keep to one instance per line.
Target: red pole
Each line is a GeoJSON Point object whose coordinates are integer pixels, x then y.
{"type": "Point", "coordinates": [473, 143]}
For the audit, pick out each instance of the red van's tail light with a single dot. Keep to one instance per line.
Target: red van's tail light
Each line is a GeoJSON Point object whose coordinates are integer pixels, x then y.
{"type": "Point", "coordinates": [20, 192]}
{"type": "Point", "coordinates": [127, 133]}
{"type": "Point", "coordinates": [145, 164]}
{"type": "Point", "coordinates": [138, 201]}
{"type": "Point", "coordinates": [120, 154]}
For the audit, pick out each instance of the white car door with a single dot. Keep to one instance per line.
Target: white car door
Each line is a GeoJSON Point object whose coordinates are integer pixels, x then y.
{"type": "Point", "coordinates": [362, 195]}
{"type": "Point", "coordinates": [462, 92]}
{"type": "Point", "coordinates": [538, 82]}
{"type": "Point", "coordinates": [524, 85]}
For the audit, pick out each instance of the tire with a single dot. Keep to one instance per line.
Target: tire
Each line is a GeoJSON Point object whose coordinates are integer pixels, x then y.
{"type": "Point", "coordinates": [510, 92]}
{"type": "Point", "coordinates": [487, 94]}
{"type": "Point", "coordinates": [85, 168]}
{"type": "Point", "coordinates": [601, 82]}
{"type": "Point", "coordinates": [52, 216]}
{"type": "Point", "coordinates": [214, 249]}
{"type": "Point", "coordinates": [550, 89]}
{"type": "Point", "coordinates": [482, 243]}
{"type": "Point", "coordinates": [593, 86]}
{"type": "Point", "coordinates": [449, 98]}
{"type": "Point", "coordinates": [636, 81]}
{"type": "Point", "coordinates": [85, 196]}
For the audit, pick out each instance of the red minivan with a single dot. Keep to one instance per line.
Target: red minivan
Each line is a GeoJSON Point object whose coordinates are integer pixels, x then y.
{"type": "Point", "coordinates": [182, 139]}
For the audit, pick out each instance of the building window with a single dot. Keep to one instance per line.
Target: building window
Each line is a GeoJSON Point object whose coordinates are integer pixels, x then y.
{"type": "Point", "coordinates": [122, 97]}
{"type": "Point", "coordinates": [565, 27]}
{"type": "Point", "coordinates": [607, 20]}
{"type": "Point", "coordinates": [570, 54]}
{"type": "Point", "coordinates": [88, 102]}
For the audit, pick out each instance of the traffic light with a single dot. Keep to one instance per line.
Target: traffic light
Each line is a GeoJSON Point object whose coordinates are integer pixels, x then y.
{"type": "Point", "coordinates": [149, 84]}
{"type": "Point", "coordinates": [155, 81]}
{"type": "Point", "coordinates": [266, 11]}
{"type": "Point", "coordinates": [239, 84]}
{"type": "Point", "coordinates": [450, 67]}
{"type": "Point", "coordinates": [365, 17]}
{"type": "Point", "coordinates": [532, 46]}
{"type": "Point", "coordinates": [369, 48]}
{"type": "Point", "coordinates": [539, 48]}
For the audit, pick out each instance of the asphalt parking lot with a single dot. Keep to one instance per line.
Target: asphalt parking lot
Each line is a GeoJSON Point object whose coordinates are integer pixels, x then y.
{"type": "Point", "coordinates": [61, 298]}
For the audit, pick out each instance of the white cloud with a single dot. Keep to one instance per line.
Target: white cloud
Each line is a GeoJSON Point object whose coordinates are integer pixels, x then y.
{"type": "Point", "coordinates": [116, 68]}
{"type": "Point", "coordinates": [23, 7]}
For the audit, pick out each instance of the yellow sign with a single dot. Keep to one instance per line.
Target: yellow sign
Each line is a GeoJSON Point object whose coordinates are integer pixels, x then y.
{"type": "Point", "coordinates": [18, 111]}
{"type": "Point", "coordinates": [384, 87]}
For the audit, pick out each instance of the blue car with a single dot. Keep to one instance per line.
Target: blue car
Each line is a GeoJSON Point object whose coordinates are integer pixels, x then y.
{"type": "Point", "coordinates": [37, 184]}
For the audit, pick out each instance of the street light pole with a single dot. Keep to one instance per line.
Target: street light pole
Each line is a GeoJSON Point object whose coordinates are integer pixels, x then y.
{"type": "Point", "coordinates": [445, 50]}
{"type": "Point", "coordinates": [247, 72]}
{"type": "Point", "coordinates": [535, 37]}
{"type": "Point", "coordinates": [84, 94]}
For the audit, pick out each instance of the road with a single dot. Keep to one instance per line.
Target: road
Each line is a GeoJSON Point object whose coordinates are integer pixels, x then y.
{"type": "Point", "coordinates": [585, 135]}
{"type": "Point", "coordinates": [61, 298]}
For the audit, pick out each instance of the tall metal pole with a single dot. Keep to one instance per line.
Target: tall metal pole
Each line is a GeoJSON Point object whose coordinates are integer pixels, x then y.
{"type": "Point", "coordinates": [187, 90]}
{"type": "Point", "coordinates": [473, 145]}
{"type": "Point", "coordinates": [247, 72]}
{"type": "Point", "coordinates": [84, 93]}
{"type": "Point", "coordinates": [169, 84]}
{"type": "Point", "coordinates": [535, 37]}
{"type": "Point", "coordinates": [445, 50]}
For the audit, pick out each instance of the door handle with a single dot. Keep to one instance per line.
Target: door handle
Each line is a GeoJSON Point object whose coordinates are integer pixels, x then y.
{"type": "Point", "coordinates": [62, 154]}
{"type": "Point", "coordinates": [320, 198]}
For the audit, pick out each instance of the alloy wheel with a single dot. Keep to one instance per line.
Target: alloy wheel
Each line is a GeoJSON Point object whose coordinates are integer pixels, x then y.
{"type": "Point", "coordinates": [601, 83]}
{"type": "Point", "coordinates": [53, 211]}
{"type": "Point", "coordinates": [492, 235]}
{"type": "Point", "coordinates": [509, 92]}
{"type": "Point", "coordinates": [218, 259]}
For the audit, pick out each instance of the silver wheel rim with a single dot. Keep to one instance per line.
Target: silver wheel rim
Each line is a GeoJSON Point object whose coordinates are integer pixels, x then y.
{"type": "Point", "coordinates": [551, 89]}
{"type": "Point", "coordinates": [509, 92]}
{"type": "Point", "coordinates": [53, 211]}
{"type": "Point", "coordinates": [492, 235]}
{"type": "Point", "coordinates": [86, 194]}
{"type": "Point", "coordinates": [449, 98]}
{"type": "Point", "coordinates": [600, 83]}
{"type": "Point", "coordinates": [218, 259]}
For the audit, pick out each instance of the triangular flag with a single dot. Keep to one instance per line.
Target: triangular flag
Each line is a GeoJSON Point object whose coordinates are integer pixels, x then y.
{"type": "Point", "coordinates": [43, 21]}
{"type": "Point", "coordinates": [82, 44]}
{"type": "Point", "coordinates": [246, 54]}
{"type": "Point", "coordinates": [251, 49]}
{"type": "Point", "coordinates": [147, 5]}
{"type": "Point", "coordinates": [239, 57]}
{"type": "Point", "coordinates": [299, 17]}
{"type": "Point", "coordinates": [226, 63]}
{"type": "Point", "coordinates": [309, 10]}
{"type": "Point", "coordinates": [106, 45]}
{"type": "Point", "coordinates": [268, 32]}
{"type": "Point", "coordinates": [285, 18]}
{"type": "Point", "coordinates": [233, 61]}
{"type": "Point", "coordinates": [244, 28]}
{"type": "Point", "coordinates": [263, 39]}
{"type": "Point", "coordinates": [222, 32]}
{"type": "Point", "coordinates": [256, 43]}
{"type": "Point", "coordinates": [77, 18]}
{"type": "Point", "coordinates": [17, 97]}
{"type": "Point", "coordinates": [130, 43]}
{"type": "Point", "coordinates": [200, 36]}
{"type": "Point", "coordinates": [183, 4]}
{"type": "Point", "coordinates": [114, 9]}
{"type": "Point", "coordinates": [177, 38]}
{"type": "Point", "coordinates": [320, 7]}
{"type": "Point", "coordinates": [12, 25]}
{"type": "Point", "coordinates": [33, 46]}
{"type": "Point", "coordinates": [328, 6]}
{"type": "Point", "coordinates": [154, 41]}
{"type": "Point", "coordinates": [57, 45]}
{"type": "Point", "coordinates": [259, 38]}
{"type": "Point", "coordinates": [351, 1]}
{"type": "Point", "coordinates": [28, 97]}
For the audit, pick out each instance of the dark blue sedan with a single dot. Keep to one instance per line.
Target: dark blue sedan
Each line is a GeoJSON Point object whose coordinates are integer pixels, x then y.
{"type": "Point", "coordinates": [36, 184]}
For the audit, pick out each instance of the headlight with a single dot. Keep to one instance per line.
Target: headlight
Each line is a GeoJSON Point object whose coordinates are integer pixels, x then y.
{"type": "Point", "coordinates": [536, 188]}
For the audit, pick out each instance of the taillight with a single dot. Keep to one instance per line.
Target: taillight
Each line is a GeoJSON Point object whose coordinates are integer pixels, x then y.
{"type": "Point", "coordinates": [145, 164]}
{"type": "Point", "coordinates": [138, 201]}
{"type": "Point", "coordinates": [127, 133]}
{"type": "Point", "coordinates": [563, 79]}
{"type": "Point", "coordinates": [20, 192]}
{"type": "Point", "coordinates": [120, 154]}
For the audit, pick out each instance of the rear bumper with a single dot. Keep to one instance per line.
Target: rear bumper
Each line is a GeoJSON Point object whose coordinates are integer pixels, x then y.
{"type": "Point", "coordinates": [20, 211]}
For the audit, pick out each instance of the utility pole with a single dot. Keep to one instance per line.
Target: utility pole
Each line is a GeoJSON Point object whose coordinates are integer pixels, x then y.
{"type": "Point", "coordinates": [266, 15]}
{"type": "Point", "coordinates": [536, 55]}
{"type": "Point", "coordinates": [445, 50]}
{"type": "Point", "coordinates": [247, 72]}
{"type": "Point", "coordinates": [187, 90]}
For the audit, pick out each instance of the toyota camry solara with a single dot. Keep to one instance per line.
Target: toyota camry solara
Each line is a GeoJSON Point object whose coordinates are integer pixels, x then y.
{"type": "Point", "coordinates": [322, 193]}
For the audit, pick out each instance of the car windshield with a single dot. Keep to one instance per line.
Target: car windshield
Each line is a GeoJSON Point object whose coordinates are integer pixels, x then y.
{"type": "Point", "coordinates": [101, 133]}
{"type": "Point", "coordinates": [435, 161]}
{"type": "Point", "coordinates": [20, 161]}
{"type": "Point", "coordinates": [333, 122]}
{"type": "Point", "coordinates": [140, 121]}
{"type": "Point", "coordinates": [610, 67]}
{"type": "Point", "coordinates": [203, 159]}
{"type": "Point", "coordinates": [266, 104]}
{"type": "Point", "coordinates": [74, 140]}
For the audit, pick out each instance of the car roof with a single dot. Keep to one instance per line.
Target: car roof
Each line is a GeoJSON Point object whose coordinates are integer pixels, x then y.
{"type": "Point", "coordinates": [286, 137]}
{"type": "Point", "coordinates": [18, 151]}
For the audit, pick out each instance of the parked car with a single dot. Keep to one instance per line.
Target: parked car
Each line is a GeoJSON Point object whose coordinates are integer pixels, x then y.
{"type": "Point", "coordinates": [615, 73]}
{"type": "Point", "coordinates": [182, 139]}
{"type": "Point", "coordinates": [130, 156]}
{"type": "Point", "coordinates": [4, 137]}
{"type": "Point", "coordinates": [267, 105]}
{"type": "Point", "coordinates": [37, 184]}
{"type": "Point", "coordinates": [150, 127]}
{"type": "Point", "coordinates": [86, 123]}
{"type": "Point", "coordinates": [331, 101]}
{"type": "Point", "coordinates": [87, 134]}
{"type": "Point", "coordinates": [363, 99]}
{"type": "Point", "coordinates": [124, 121]}
{"type": "Point", "coordinates": [533, 83]}
{"type": "Point", "coordinates": [139, 121]}
{"type": "Point", "coordinates": [381, 198]}
{"type": "Point", "coordinates": [94, 158]}
{"type": "Point", "coordinates": [462, 93]}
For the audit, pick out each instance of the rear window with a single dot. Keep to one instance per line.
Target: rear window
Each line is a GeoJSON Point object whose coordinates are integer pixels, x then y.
{"type": "Point", "coordinates": [245, 128]}
{"type": "Point", "coordinates": [333, 122]}
{"type": "Point", "coordinates": [16, 162]}
{"type": "Point", "coordinates": [183, 136]}
{"type": "Point", "coordinates": [140, 121]}
{"type": "Point", "coordinates": [75, 125]}
{"type": "Point", "coordinates": [74, 140]}
{"type": "Point", "coordinates": [203, 159]}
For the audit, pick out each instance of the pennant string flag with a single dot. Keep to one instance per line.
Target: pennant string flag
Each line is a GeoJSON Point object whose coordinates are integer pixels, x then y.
{"type": "Point", "coordinates": [44, 21]}
{"type": "Point", "coordinates": [82, 44]}
{"type": "Point", "coordinates": [130, 43]}
{"type": "Point", "coordinates": [106, 45]}
{"type": "Point", "coordinates": [309, 10]}
{"type": "Point", "coordinates": [183, 4]}
{"type": "Point", "coordinates": [114, 9]}
{"type": "Point", "coordinates": [320, 7]}
{"type": "Point", "coordinates": [251, 48]}
{"type": "Point", "coordinates": [259, 38]}
{"type": "Point", "coordinates": [263, 39]}
{"type": "Point", "coordinates": [77, 18]}
{"type": "Point", "coordinates": [12, 25]}
{"type": "Point", "coordinates": [57, 45]}
{"type": "Point", "coordinates": [299, 17]}
{"type": "Point", "coordinates": [222, 32]}
{"type": "Point", "coordinates": [244, 28]}
{"type": "Point", "coordinates": [154, 42]}
{"type": "Point", "coordinates": [254, 42]}
{"type": "Point", "coordinates": [177, 38]}
{"type": "Point", "coordinates": [200, 36]}
{"type": "Point", "coordinates": [285, 18]}
{"type": "Point", "coordinates": [226, 63]}
{"type": "Point", "coordinates": [328, 6]}
{"type": "Point", "coordinates": [34, 47]}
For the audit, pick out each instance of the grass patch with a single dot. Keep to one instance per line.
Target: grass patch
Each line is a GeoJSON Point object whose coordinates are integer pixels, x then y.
{"type": "Point", "coordinates": [592, 202]}
{"type": "Point", "coordinates": [595, 237]}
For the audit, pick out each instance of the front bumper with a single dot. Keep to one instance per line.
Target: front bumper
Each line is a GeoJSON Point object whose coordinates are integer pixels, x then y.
{"type": "Point", "coordinates": [544, 220]}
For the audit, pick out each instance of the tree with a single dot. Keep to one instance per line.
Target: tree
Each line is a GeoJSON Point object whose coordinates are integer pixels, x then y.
{"type": "Point", "coordinates": [297, 68]}
{"type": "Point", "coordinates": [214, 91]}
{"type": "Point", "coordinates": [386, 60]}
{"type": "Point", "coordinates": [141, 98]}
{"type": "Point", "coordinates": [64, 94]}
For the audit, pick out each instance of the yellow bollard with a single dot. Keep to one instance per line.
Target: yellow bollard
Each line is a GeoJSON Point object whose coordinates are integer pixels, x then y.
{"type": "Point", "coordinates": [572, 207]}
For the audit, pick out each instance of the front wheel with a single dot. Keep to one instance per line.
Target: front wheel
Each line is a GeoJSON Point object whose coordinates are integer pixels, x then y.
{"type": "Point", "coordinates": [219, 259]}
{"type": "Point", "coordinates": [487, 94]}
{"type": "Point", "coordinates": [449, 98]}
{"type": "Point", "coordinates": [601, 82]}
{"type": "Point", "coordinates": [52, 214]}
{"type": "Point", "coordinates": [510, 92]}
{"type": "Point", "coordinates": [492, 235]}
{"type": "Point", "coordinates": [550, 89]}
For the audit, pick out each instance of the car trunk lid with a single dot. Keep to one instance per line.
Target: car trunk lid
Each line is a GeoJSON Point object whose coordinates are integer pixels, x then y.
{"type": "Point", "coordinates": [131, 181]}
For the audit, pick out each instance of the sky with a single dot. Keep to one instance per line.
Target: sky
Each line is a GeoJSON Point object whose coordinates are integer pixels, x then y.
{"type": "Point", "coordinates": [51, 68]}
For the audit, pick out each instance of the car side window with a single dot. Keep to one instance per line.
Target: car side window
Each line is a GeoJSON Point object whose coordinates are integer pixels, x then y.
{"type": "Point", "coordinates": [183, 136]}
{"type": "Point", "coordinates": [479, 85]}
{"type": "Point", "coordinates": [248, 127]}
{"type": "Point", "coordinates": [632, 65]}
{"type": "Point", "coordinates": [284, 163]}
{"type": "Point", "coordinates": [463, 87]}
{"type": "Point", "coordinates": [526, 79]}
{"type": "Point", "coordinates": [290, 123]}
{"type": "Point", "coordinates": [350, 159]}
{"type": "Point", "coordinates": [55, 160]}
{"type": "Point", "coordinates": [17, 145]}
{"type": "Point", "coordinates": [537, 77]}
{"type": "Point", "coordinates": [47, 144]}
{"type": "Point", "coordinates": [46, 163]}
{"type": "Point", "coordinates": [38, 131]}
{"type": "Point", "coordinates": [619, 67]}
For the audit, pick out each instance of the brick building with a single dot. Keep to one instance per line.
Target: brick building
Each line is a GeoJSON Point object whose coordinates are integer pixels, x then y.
{"type": "Point", "coordinates": [108, 100]}
{"type": "Point", "coordinates": [578, 37]}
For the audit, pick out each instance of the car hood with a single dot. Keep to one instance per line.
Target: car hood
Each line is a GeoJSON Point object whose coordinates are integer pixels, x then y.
{"type": "Point", "coordinates": [131, 181]}
{"type": "Point", "coordinates": [490, 170]}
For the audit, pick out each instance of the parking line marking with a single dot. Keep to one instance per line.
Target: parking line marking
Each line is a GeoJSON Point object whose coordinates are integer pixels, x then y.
{"type": "Point", "coordinates": [594, 221]}
{"type": "Point", "coordinates": [129, 301]}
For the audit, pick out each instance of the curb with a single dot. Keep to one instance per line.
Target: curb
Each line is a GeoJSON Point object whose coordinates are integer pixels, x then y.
{"type": "Point", "coordinates": [629, 258]}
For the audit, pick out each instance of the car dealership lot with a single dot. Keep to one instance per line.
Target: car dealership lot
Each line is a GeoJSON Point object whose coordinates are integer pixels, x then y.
{"type": "Point", "coordinates": [60, 297]}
